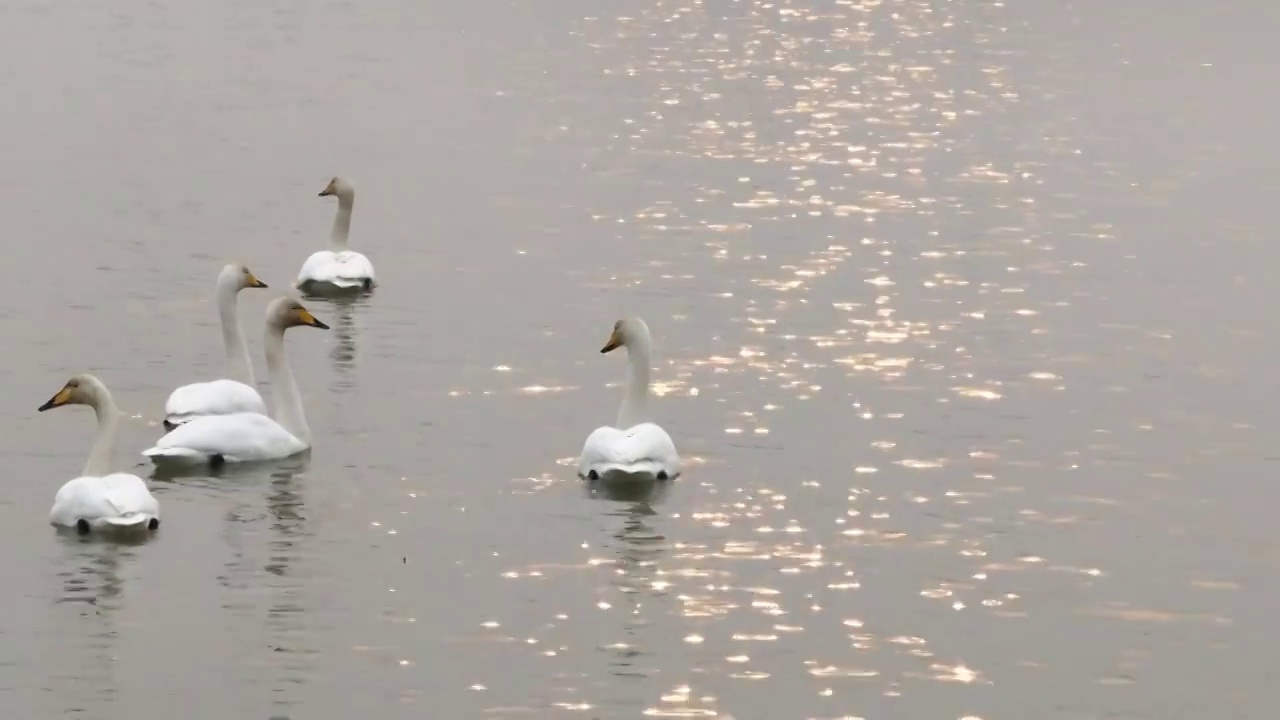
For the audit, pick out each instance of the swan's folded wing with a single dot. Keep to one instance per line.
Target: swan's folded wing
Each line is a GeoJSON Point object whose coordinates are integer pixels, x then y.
{"type": "Point", "coordinates": [216, 397]}
{"type": "Point", "coordinates": [243, 436]}
{"type": "Point", "coordinates": [130, 498]}
{"type": "Point", "coordinates": [643, 450]}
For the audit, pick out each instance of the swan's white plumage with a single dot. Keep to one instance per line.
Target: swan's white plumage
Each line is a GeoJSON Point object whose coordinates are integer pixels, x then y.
{"type": "Point", "coordinates": [338, 268]}
{"type": "Point", "coordinates": [216, 397]}
{"type": "Point", "coordinates": [242, 437]}
{"type": "Point", "coordinates": [235, 393]}
{"type": "Point", "coordinates": [347, 269]}
{"type": "Point", "coordinates": [100, 499]}
{"type": "Point", "coordinates": [641, 452]}
{"type": "Point", "coordinates": [636, 448]}
{"type": "Point", "coordinates": [248, 437]}
{"type": "Point", "coordinates": [118, 500]}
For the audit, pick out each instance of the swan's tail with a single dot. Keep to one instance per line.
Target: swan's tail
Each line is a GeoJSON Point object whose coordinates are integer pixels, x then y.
{"type": "Point", "coordinates": [174, 454]}
{"type": "Point", "coordinates": [132, 521]}
{"type": "Point", "coordinates": [349, 283]}
{"type": "Point", "coordinates": [636, 471]}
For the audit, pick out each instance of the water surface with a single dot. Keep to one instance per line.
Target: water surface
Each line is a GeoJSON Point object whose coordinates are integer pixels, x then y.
{"type": "Point", "coordinates": [962, 324]}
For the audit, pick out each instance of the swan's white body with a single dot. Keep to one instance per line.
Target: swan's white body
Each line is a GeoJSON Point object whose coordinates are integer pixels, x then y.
{"type": "Point", "coordinates": [249, 437]}
{"type": "Point", "coordinates": [345, 270]}
{"type": "Point", "coordinates": [242, 437]}
{"type": "Point", "coordinates": [118, 501]}
{"type": "Point", "coordinates": [237, 393]}
{"type": "Point", "coordinates": [637, 449]}
{"type": "Point", "coordinates": [338, 268]}
{"type": "Point", "coordinates": [99, 499]}
{"type": "Point", "coordinates": [642, 451]}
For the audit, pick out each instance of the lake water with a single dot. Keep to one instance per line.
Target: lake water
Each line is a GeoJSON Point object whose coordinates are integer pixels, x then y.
{"type": "Point", "coordinates": [961, 321]}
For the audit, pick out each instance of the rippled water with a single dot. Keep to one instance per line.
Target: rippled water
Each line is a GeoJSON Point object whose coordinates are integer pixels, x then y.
{"type": "Point", "coordinates": [961, 324]}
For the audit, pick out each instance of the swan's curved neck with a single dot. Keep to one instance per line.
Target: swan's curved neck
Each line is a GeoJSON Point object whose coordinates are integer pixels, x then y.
{"type": "Point", "coordinates": [635, 403]}
{"type": "Point", "coordinates": [288, 400]}
{"type": "Point", "coordinates": [102, 454]}
{"type": "Point", "coordinates": [342, 222]}
{"type": "Point", "coordinates": [239, 366]}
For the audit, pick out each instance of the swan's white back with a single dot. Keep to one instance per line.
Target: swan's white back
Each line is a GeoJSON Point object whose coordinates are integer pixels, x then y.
{"type": "Point", "coordinates": [346, 270]}
{"type": "Point", "coordinates": [642, 452]}
{"type": "Point", "coordinates": [118, 500]}
{"type": "Point", "coordinates": [216, 397]}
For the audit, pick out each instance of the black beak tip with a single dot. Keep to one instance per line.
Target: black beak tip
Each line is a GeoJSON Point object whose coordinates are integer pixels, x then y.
{"type": "Point", "coordinates": [46, 406]}
{"type": "Point", "coordinates": [321, 325]}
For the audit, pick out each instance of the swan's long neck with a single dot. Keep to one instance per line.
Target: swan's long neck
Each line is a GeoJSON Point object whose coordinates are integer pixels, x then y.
{"type": "Point", "coordinates": [288, 400]}
{"type": "Point", "coordinates": [342, 222]}
{"type": "Point", "coordinates": [103, 453]}
{"type": "Point", "coordinates": [635, 403]}
{"type": "Point", "coordinates": [239, 366]}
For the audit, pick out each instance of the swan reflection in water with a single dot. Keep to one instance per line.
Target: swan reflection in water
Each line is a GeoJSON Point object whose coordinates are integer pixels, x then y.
{"type": "Point", "coordinates": [90, 591]}
{"type": "Point", "coordinates": [342, 356]}
{"type": "Point", "coordinates": [639, 547]}
{"type": "Point", "coordinates": [293, 464]}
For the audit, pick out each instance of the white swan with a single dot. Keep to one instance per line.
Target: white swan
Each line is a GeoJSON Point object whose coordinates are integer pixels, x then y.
{"type": "Point", "coordinates": [100, 499]}
{"type": "Point", "coordinates": [338, 268]}
{"type": "Point", "coordinates": [245, 437]}
{"type": "Point", "coordinates": [237, 392]}
{"type": "Point", "coordinates": [636, 448]}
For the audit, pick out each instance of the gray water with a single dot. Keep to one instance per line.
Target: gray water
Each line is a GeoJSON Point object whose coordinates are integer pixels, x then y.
{"type": "Point", "coordinates": [962, 324]}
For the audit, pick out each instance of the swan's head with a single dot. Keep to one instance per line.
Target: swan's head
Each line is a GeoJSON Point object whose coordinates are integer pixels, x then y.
{"type": "Point", "coordinates": [285, 312]}
{"type": "Point", "coordinates": [340, 187]}
{"type": "Point", "coordinates": [79, 390]}
{"type": "Point", "coordinates": [239, 277]}
{"type": "Point", "coordinates": [629, 332]}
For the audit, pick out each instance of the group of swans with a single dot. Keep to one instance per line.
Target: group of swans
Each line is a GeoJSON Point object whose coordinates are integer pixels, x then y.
{"type": "Point", "coordinates": [226, 420]}
{"type": "Point", "coordinates": [218, 421]}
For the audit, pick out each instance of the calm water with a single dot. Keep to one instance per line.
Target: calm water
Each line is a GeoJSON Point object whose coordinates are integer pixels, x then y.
{"type": "Point", "coordinates": [963, 323]}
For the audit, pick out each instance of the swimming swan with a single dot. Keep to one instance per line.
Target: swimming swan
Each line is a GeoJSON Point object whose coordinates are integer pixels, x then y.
{"type": "Point", "coordinates": [237, 392]}
{"type": "Point", "coordinates": [636, 448]}
{"type": "Point", "coordinates": [245, 437]}
{"type": "Point", "coordinates": [100, 499]}
{"type": "Point", "coordinates": [337, 268]}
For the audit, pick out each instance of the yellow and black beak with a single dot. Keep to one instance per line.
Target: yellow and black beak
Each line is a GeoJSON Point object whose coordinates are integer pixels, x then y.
{"type": "Point", "coordinates": [328, 189]}
{"type": "Point", "coordinates": [306, 318]}
{"type": "Point", "coordinates": [615, 341]}
{"type": "Point", "coordinates": [62, 397]}
{"type": "Point", "coordinates": [254, 282]}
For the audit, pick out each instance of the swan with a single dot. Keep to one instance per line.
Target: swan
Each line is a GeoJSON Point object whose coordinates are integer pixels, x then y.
{"type": "Point", "coordinates": [636, 448]}
{"type": "Point", "coordinates": [238, 392]}
{"type": "Point", "coordinates": [247, 437]}
{"type": "Point", "coordinates": [100, 499]}
{"type": "Point", "coordinates": [338, 268]}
